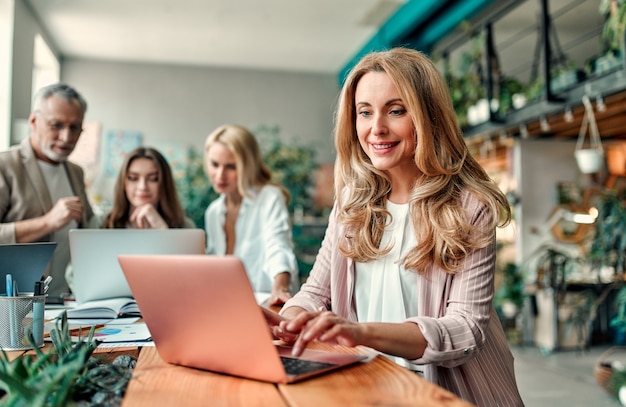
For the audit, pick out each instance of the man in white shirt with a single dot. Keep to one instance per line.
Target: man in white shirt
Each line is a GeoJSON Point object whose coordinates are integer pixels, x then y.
{"type": "Point", "coordinates": [42, 195]}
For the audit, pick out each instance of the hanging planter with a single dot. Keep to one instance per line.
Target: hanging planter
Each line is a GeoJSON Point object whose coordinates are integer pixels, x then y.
{"type": "Point", "coordinates": [590, 159]}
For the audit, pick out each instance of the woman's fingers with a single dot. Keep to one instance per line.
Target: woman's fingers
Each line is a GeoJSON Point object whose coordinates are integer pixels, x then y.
{"type": "Point", "coordinates": [319, 324]}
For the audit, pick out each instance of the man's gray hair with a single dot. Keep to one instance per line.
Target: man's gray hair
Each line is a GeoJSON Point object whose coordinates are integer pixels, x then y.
{"type": "Point", "coordinates": [60, 90]}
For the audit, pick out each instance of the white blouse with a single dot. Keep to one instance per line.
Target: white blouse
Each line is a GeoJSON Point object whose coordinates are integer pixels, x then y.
{"type": "Point", "coordinates": [263, 237]}
{"type": "Point", "coordinates": [384, 291]}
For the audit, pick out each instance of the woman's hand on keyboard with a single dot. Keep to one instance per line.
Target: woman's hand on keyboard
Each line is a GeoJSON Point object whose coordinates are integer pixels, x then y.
{"type": "Point", "coordinates": [323, 326]}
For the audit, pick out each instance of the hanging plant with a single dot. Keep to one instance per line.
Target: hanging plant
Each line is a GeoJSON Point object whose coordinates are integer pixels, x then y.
{"type": "Point", "coordinates": [614, 26]}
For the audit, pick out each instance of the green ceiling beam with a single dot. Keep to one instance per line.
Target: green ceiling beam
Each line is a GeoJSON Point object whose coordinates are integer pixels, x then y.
{"type": "Point", "coordinates": [413, 13]}
{"type": "Point", "coordinates": [418, 24]}
{"type": "Point", "coordinates": [426, 37]}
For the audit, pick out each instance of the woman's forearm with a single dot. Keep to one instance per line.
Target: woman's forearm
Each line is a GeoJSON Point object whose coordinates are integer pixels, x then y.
{"type": "Point", "coordinates": [398, 339]}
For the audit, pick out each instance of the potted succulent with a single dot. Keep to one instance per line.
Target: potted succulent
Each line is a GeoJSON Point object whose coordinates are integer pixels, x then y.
{"type": "Point", "coordinates": [68, 374]}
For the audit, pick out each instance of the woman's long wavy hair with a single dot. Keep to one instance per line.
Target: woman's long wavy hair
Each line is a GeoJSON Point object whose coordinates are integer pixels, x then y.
{"type": "Point", "coordinates": [252, 172]}
{"type": "Point", "coordinates": [446, 168]}
{"type": "Point", "coordinates": [169, 206]}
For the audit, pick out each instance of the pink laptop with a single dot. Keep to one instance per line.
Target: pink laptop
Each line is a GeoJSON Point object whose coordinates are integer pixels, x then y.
{"type": "Point", "coordinates": [202, 313]}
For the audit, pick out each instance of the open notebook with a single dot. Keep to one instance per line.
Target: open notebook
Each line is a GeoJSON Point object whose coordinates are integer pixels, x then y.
{"type": "Point", "coordinates": [202, 313]}
{"type": "Point", "coordinates": [97, 273]}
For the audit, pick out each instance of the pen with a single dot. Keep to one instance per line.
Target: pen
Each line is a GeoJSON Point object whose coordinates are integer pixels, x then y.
{"type": "Point", "coordinates": [9, 285]}
{"type": "Point", "coordinates": [13, 328]}
{"type": "Point", "coordinates": [38, 288]}
{"type": "Point", "coordinates": [78, 332]}
{"type": "Point", "coordinates": [46, 283]}
{"type": "Point", "coordinates": [38, 318]}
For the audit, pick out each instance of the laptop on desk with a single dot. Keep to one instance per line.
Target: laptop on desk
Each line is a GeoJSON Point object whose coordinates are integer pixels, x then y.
{"type": "Point", "coordinates": [202, 313]}
{"type": "Point", "coordinates": [97, 273]}
{"type": "Point", "coordinates": [26, 262]}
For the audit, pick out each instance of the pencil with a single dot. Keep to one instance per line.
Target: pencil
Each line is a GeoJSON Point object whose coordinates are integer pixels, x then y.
{"type": "Point", "coordinates": [84, 329]}
{"type": "Point", "coordinates": [81, 331]}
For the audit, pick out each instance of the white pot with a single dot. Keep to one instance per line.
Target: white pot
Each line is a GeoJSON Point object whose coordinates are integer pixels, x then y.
{"type": "Point", "coordinates": [509, 309]}
{"type": "Point", "coordinates": [519, 100]}
{"type": "Point", "coordinates": [622, 395]}
{"type": "Point", "coordinates": [589, 160]}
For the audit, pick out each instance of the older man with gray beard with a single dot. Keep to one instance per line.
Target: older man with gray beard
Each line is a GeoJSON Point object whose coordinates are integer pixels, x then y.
{"type": "Point", "coordinates": [42, 194]}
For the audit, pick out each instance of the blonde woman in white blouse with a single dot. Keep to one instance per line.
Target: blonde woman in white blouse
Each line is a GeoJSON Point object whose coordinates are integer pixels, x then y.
{"type": "Point", "coordinates": [250, 218]}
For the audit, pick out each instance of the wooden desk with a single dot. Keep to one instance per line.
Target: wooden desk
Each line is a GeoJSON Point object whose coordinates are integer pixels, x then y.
{"type": "Point", "coordinates": [377, 383]}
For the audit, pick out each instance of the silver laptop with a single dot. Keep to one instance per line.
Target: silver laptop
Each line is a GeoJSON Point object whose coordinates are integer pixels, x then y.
{"type": "Point", "coordinates": [97, 273]}
{"type": "Point", "coordinates": [26, 262]}
{"type": "Point", "coordinates": [202, 313]}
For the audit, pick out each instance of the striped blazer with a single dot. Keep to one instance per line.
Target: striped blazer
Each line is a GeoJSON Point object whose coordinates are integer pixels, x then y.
{"type": "Point", "coordinates": [467, 351]}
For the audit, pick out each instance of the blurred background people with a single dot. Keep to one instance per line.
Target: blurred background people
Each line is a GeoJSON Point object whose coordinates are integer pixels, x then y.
{"type": "Point", "coordinates": [42, 194]}
{"type": "Point", "coordinates": [250, 218]}
{"type": "Point", "coordinates": [145, 197]}
{"type": "Point", "coordinates": [145, 194]}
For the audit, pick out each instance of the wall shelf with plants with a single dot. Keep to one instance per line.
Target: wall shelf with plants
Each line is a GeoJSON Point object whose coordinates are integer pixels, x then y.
{"type": "Point", "coordinates": [521, 102]}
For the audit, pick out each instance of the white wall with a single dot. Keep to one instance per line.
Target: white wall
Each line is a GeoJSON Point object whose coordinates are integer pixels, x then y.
{"type": "Point", "coordinates": [25, 28]}
{"type": "Point", "coordinates": [166, 102]}
{"type": "Point", "coordinates": [6, 49]}
{"type": "Point", "coordinates": [539, 166]}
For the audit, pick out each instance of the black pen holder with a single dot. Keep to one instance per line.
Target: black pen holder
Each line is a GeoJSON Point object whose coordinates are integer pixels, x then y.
{"type": "Point", "coordinates": [20, 316]}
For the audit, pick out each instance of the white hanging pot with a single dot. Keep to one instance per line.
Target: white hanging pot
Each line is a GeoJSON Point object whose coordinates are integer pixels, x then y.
{"type": "Point", "coordinates": [590, 159]}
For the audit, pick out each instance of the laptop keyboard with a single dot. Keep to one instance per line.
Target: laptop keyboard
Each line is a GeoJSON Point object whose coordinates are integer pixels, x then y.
{"type": "Point", "coordinates": [302, 366]}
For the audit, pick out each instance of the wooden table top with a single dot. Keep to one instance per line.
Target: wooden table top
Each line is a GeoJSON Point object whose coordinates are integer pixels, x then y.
{"type": "Point", "coordinates": [379, 382]}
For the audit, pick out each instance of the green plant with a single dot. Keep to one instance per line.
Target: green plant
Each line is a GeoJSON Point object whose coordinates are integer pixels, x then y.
{"type": "Point", "coordinates": [194, 188]}
{"type": "Point", "coordinates": [292, 165]}
{"type": "Point", "coordinates": [618, 322]}
{"type": "Point", "coordinates": [512, 289]}
{"type": "Point", "coordinates": [614, 26]}
{"type": "Point", "coordinates": [608, 247]}
{"type": "Point", "coordinates": [60, 377]}
{"type": "Point", "coordinates": [509, 86]}
{"type": "Point", "coordinates": [466, 84]}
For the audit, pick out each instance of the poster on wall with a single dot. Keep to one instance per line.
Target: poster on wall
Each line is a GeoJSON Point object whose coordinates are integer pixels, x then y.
{"type": "Point", "coordinates": [176, 154]}
{"type": "Point", "coordinates": [87, 151]}
{"type": "Point", "coordinates": [118, 143]}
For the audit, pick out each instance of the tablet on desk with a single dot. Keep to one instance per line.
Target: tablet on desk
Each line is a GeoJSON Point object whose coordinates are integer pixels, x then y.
{"type": "Point", "coordinates": [26, 262]}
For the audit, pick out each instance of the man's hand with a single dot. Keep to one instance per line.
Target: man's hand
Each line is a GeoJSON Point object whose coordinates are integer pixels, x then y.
{"type": "Point", "coordinates": [63, 212]}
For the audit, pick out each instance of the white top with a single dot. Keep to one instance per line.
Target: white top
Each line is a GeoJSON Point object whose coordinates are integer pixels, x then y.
{"type": "Point", "coordinates": [263, 236]}
{"type": "Point", "coordinates": [384, 291]}
{"type": "Point", "coordinates": [59, 187]}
